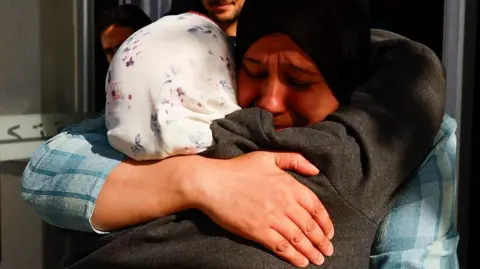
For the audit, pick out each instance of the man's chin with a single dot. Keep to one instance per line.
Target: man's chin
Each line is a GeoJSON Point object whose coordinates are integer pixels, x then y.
{"type": "Point", "coordinates": [223, 17]}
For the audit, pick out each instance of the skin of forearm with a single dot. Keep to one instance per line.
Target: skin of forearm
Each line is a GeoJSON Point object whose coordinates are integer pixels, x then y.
{"type": "Point", "coordinates": [138, 192]}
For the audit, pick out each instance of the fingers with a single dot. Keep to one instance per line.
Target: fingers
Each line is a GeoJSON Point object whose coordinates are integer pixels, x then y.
{"type": "Point", "coordinates": [295, 162]}
{"type": "Point", "coordinates": [311, 230]}
{"type": "Point", "coordinates": [310, 202]}
{"type": "Point", "coordinates": [320, 214]}
{"type": "Point", "coordinates": [282, 248]}
{"type": "Point", "coordinates": [290, 231]}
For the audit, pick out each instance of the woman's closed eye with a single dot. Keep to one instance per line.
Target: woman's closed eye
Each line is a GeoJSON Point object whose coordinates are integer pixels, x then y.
{"type": "Point", "coordinates": [298, 83]}
{"type": "Point", "coordinates": [256, 74]}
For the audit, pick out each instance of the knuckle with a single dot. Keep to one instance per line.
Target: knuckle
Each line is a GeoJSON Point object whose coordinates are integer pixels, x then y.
{"type": "Point", "coordinates": [261, 157]}
{"type": "Point", "coordinates": [282, 246]}
{"type": "Point", "coordinates": [266, 156]}
{"type": "Point", "coordinates": [289, 180]}
{"type": "Point", "coordinates": [323, 240]}
{"type": "Point", "coordinates": [310, 227]}
{"type": "Point", "coordinates": [296, 157]}
{"type": "Point", "coordinates": [268, 207]}
{"type": "Point", "coordinates": [274, 222]}
{"type": "Point", "coordinates": [252, 226]}
{"type": "Point", "coordinates": [281, 198]}
{"type": "Point", "coordinates": [318, 209]}
{"type": "Point", "coordinates": [280, 194]}
{"type": "Point", "coordinates": [308, 201]}
{"type": "Point", "coordinates": [298, 236]}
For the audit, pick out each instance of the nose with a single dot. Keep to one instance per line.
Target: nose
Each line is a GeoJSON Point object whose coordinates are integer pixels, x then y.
{"type": "Point", "coordinates": [273, 96]}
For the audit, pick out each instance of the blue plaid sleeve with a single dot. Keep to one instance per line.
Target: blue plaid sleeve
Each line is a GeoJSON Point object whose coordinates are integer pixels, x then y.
{"type": "Point", "coordinates": [65, 175]}
{"type": "Point", "coordinates": [419, 232]}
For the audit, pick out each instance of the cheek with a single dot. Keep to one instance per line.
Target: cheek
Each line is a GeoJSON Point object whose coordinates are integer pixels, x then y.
{"type": "Point", "coordinates": [314, 105]}
{"type": "Point", "coordinates": [247, 90]}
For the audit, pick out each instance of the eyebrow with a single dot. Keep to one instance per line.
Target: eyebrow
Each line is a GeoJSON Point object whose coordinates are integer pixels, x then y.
{"type": "Point", "coordinates": [305, 70]}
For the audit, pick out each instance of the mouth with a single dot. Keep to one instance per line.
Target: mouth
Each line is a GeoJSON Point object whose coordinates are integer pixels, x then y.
{"type": "Point", "coordinates": [220, 6]}
{"type": "Point", "coordinates": [282, 122]}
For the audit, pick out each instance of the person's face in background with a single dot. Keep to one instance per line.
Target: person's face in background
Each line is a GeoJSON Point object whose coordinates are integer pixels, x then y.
{"type": "Point", "coordinates": [113, 37]}
{"type": "Point", "coordinates": [225, 13]}
{"type": "Point", "coordinates": [278, 76]}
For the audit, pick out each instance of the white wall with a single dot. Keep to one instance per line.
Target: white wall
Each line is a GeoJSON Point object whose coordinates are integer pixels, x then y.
{"type": "Point", "coordinates": [36, 56]}
{"type": "Point", "coordinates": [36, 76]}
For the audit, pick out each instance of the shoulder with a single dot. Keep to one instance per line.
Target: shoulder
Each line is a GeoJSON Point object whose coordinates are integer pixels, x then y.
{"type": "Point", "coordinates": [423, 215]}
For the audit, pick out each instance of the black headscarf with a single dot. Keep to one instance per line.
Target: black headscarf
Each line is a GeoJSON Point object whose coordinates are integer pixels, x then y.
{"type": "Point", "coordinates": [335, 34]}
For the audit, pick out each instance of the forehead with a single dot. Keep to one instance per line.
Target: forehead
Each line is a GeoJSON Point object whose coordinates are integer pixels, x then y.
{"type": "Point", "coordinates": [274, 44]}
{"type": "Point", "coordinates": [279, 44]}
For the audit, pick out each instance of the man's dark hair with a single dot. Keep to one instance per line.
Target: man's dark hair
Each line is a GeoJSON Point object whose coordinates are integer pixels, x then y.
{"type": "Point", "coordinates": [124, 16]}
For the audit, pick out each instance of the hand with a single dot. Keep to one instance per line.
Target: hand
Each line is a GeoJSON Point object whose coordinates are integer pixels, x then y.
{"type": "Point", "coordinates": [253, 197]}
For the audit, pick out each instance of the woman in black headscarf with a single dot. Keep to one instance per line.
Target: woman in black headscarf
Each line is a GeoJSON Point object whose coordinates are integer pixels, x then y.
{"type": "Point", "coordinates": [372, 104]}
{"type": "Point", "coordinates": [335, 35]}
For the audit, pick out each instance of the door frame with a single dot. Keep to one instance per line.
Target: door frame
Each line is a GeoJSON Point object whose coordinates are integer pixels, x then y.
{"type": "Point", "coordinates": [460, 22]}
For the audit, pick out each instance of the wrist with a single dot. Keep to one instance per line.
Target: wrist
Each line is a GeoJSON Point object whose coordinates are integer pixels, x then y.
{"type": "Point", "coordinates": [200, 184]}
{"type": "Point", "coordinates": [193, 177]}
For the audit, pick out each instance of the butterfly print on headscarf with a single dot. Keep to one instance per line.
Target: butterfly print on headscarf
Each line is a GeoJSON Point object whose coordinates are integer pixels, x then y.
{"type": "Point", "coordinates": [180, 92]}
{"type": "Point", "coordinates": [116, 95]}
{"type": "Point", "coordinates": [130, 62]}
{"type": "Point", "coordinates": [198, 139]}
{"type": "Point", "coordinates": [206, 29]}
{"type": "Point", "coordinates": [230, 65]}
{"type": "Point", "coordinates": [224, 83]}
{"type": "Point", "coordinates": [137, 146]}
{"type": "Point", "coordinates": [154, 125]}
{"type": "Point", "coordinates": [195, 29]}
{"type": "Point", "coordinates": [169, 75]}
{"type": "Point", "coordinates": [130, 39]}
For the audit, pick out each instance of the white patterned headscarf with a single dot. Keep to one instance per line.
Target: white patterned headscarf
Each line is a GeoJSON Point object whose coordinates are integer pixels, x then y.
{"type": "Point", "coordinates": [165, 86]}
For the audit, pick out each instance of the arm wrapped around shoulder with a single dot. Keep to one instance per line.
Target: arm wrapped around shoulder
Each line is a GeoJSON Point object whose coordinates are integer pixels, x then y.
{"type": "Point", "coordinates": [367, 149]}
